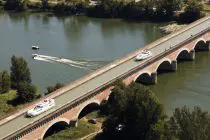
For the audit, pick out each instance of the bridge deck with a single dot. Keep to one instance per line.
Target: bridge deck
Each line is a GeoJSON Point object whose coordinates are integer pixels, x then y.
{"type": "Point", "coordinates": [21, 121]}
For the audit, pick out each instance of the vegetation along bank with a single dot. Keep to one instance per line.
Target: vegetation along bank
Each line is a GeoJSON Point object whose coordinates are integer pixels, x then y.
{"type": "Point", "coordinates": [162, 10]}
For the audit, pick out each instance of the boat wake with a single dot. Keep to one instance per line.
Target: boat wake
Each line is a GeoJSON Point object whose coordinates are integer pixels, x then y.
{"type": "Point", "coordinates": [83, 64]}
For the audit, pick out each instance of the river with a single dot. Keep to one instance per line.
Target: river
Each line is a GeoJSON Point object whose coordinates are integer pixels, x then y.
{"type": "Point", "coordinates": [98, 42]}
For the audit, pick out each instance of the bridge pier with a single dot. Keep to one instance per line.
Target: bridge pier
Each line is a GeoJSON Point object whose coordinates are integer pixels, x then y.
{"type": "Point", "coordinates": [73, 123]}
{"type": "Point", "coordinates": [192, 55]}
{"type": "Point", "coordinates": [153, 79]}
{"type": "Point", "coordinates": [207, 48]}
{"type": "Point", "coordinates": [173, 65]}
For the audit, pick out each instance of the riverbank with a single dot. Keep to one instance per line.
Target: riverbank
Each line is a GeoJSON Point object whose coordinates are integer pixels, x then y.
{"type": "Point", "coordinates": [172, 28]}
{"type": "Point", "coordinates": [108, 9]}
{"type": "Point", "coordinates": [6, 105]}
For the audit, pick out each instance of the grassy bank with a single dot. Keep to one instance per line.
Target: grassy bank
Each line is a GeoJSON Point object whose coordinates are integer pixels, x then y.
{"type": "Point", "coordinates": [5, 103]}
{"type": "Point", "coordinates": [84, 128]}
{"type": "Point", "coordinates": [206, 8]}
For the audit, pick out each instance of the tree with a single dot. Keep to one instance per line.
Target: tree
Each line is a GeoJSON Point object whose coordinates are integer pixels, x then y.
{"type": "Point", "coordinates": [193, 11]}
{"type": "Point", "coordinates": [53, 88]}
{"type": "Point", "coordinates": [26, 92]}
{"type": "Point", "coordinates": [194, 6]}
{"type": "Point", "coordinates": [189, 125]}
{"type": "Point", "coordinates": [45, 4]}
{"type": "Point", "coordinates": [166, 8]}
{"type": "Point", "coordinates": [19, 72]}
{"type": "Point", "coordinates": [17, 5]}
{"type": "Point", "coordinates": [4, 82]}
{"type": "Point", "coordinates": [137, 109]}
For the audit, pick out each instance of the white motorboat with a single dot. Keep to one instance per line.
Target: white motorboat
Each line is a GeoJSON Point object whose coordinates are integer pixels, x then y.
{"type": "Point", "coordinates": [143, 55]}
{"type": "Point", "coordinates": [40, 108]}
{"type": "Point", "coordinates": [34, 55]}
{"type": "Point", "coordinates": [35, 47]}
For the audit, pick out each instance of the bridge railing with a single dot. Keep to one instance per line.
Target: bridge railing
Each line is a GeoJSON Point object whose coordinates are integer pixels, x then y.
{"type": "Point", "coordinates": [69, 105]}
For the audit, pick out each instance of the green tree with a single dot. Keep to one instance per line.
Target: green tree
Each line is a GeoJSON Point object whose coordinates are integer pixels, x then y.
{"type": "Point", "coordinates": [189, 125]}
{"type": "Point", "coordinates": [137, 109]}
{"type": "Point", "coordinates": [26, 92]}
{"type": "Point", "coordinates": [53, 88]}
{"type": "Point", "coordinates": [45, 4]}
{"type": "Point", "coordinates": [19, 72]}
{"type": "Point", "coordinates": [193, 11]}
{"type": "Point", "coordinates": [4, 82]}
{"type": "Point", "coordinates": [194, 6]}
{"type": "Point", "coordinates": [17, 5]}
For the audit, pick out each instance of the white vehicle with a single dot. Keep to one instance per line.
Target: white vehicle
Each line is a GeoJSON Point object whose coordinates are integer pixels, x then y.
{"type": "Point", "coordinates": [35, 47]}
{"type": "Point", "coordinates": [143, 55]}
{"type": "Point", "coordinates": [40, 108]}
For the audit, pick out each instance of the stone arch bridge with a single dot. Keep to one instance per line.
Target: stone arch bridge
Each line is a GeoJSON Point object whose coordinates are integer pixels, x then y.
{"type": "Point", "coordinates": [90, 90]}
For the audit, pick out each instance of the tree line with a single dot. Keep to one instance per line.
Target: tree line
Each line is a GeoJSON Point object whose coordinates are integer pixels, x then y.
{"type": "Point", "coordinates": [134, 112]}
{"type": "Point", "coordinates": [190, 10]}
{"type": "Point", "coordinates": [19, 79]}
{"type": "Point", "coordinates": [181, 10]}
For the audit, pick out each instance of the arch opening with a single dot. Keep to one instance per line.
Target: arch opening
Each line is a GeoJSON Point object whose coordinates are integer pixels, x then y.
{"type": "Point", "coordinates": [56, 127]}
{"type": "Point", "coordinates": [183, 56]}
{"type": "Point", "coordinates": [164, 67]}
{"type": "Point", "coordinates": [144, 79]}
{"type": "Point", "coordinates": [147, 79]}
{"type": "Point", "coordinates": [201, 46]}
{"type": "Point", "coordinates": [88, 109]}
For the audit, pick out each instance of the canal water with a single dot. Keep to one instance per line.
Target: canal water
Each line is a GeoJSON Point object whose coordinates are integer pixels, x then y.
{"type": "Point", "coordinates": [96, 42]}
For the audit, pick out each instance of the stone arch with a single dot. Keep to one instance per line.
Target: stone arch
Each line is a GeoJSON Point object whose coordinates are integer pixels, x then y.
{"type": "Point", "coordinates": [139, 74]}
{"type": "Point", "coordinates": [166, 65]}
{"type": "Point", "coordinates": [184, 54]}
{"type": "Point", "coordinates": [59, 122]}
{"type": "Point", "coordinates": [94, 104]}
{"type": "Point", "coordinates": [200, 45]}
{"type": "Point", "coordinates": [146, 78]}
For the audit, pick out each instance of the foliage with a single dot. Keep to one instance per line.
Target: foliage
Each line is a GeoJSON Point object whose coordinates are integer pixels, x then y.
{"type": "Point", "coordinates": [53, 88]}
{"type": "Point", "coordinates": [19, 72]}
{"type": "Point", "coordinates": [138, 110]}
{"type": "Point", "coordinates": [144, 9]}
{"type": "Point", "coordinates": [5, 107]}
{"type": "Point", "coordinates": [72, 8]}
{"type": "Point", "coordinates": [104, 108]}
{"type": "Point", "coordinates": [4, 82]}
{"type": "Point", "coordinates": [192, 11]}
{"type": "Point", "coordinates": [45, 4]}
{"type": "Point", "coordinates": [189, 125]}
{"type": "Point", "coordinates": [17, 5]}
{"type": "Point", "coordinates": [206, 7]}
{"type": "Point", "coordinates": [26, 92]}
